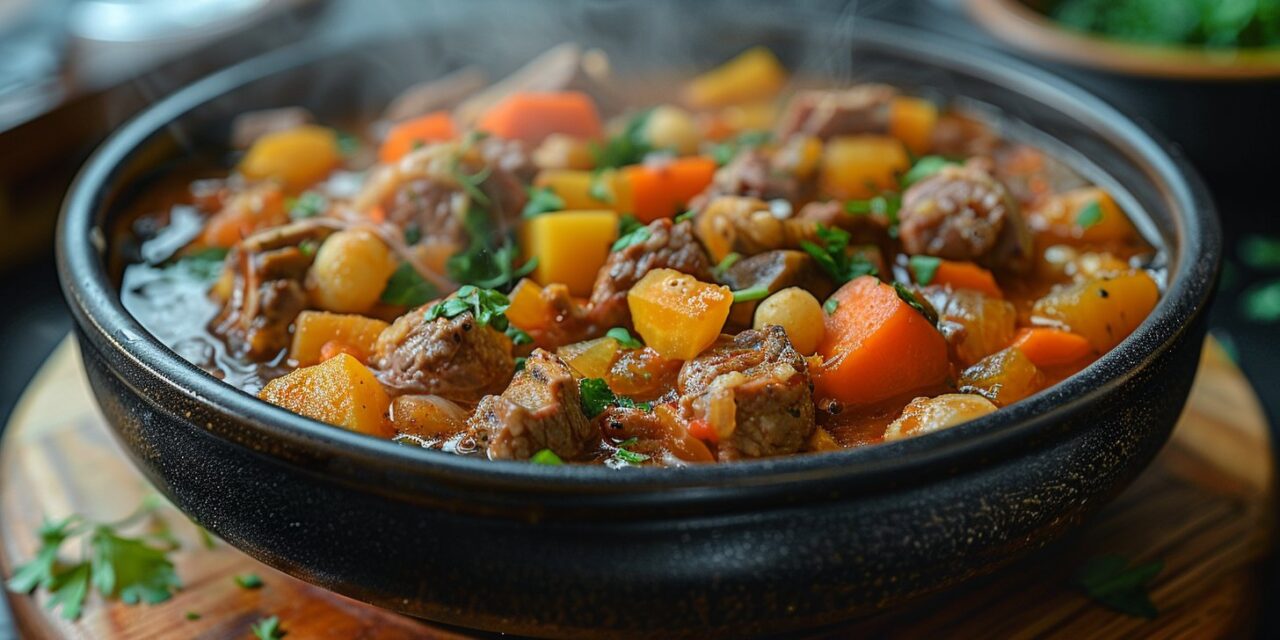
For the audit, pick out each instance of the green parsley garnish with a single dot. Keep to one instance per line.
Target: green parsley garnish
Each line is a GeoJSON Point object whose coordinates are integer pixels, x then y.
{"type": "Point", "coordinates": [542, 200]}
{"type": "Point", "coordinates": [916, 303]}
{"type": "Point", "coordinates": [886, 204]}
{"type": "Point", "coordinates": [191, 615]}
{"type": "Point", "coordinates": [408, 289]}
{"type": "Point", "coordinates": [1260, 252]}
{"type": "Point", "coordinates": [1112, 582]}
{"type": "Point", "coordinates": [688, 215]}
{"type": "Point", "coordinates": [248, 581]}
{"type": "Point", "coordinates": [597, 396]}
{"type": "Point", "coordinates": [308, 205]}
{"type": "Point", "coordinates": [624, 338]}
{"type": "Point", "coordinates": [1261, 303]}
{"type": "Point", "coordinates": [489, 259]}
{"type": "Point", "coordinates": [628, 147]}
{"type": "Point", "coordinates": [628, 223]}
{"type": "Point", "coordinates": [1090, 215]}
{"type": "Point", "coordinates": [725, 264]}
{"type": "Point", "coordinates": [833, 255]}
{"type": "Point", "coordinates": [924, 268]}
{"type": "Point", "coordinates": [348, 143]}
{"type": "Point", "coordinates": [923, 168]}
{"type": "Point", "coordinates": [830, 306]}
{"type": "Point", "coordinates": [487, 306]}
{"type": "Point", "coordinates": [205, 264]}
{"type": "Point", "coordinates": [309, 247]}
{"type": "Point", "coordinates": [268, 629]}
{"type": "Point", "coordinates": [412, 233]}
{"type": "Point", "coordinates": [640, 234]}
{"type": "Point", "coordinates": [470, 183]}
{"type": "Point", "coordinates": [131, 569]}
{"type": "Point", "coordinates": [520, 362]}
{"type": "Point", "coordinates": [725, 152]}
{"type": "Point", "coordinates": [758, 292]}
{"type": "Point", "coordinates": [546, 456]}
{"type": "Point", "coordinates": [626, 455]}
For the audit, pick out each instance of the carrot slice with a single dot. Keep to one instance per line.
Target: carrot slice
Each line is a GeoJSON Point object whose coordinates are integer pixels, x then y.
{"type": "Point", "coordinates": [967, 275]}
{"type": "Point", "coordinates": [533, 116]}
{"type": "Point", "coordinates": [661, 191]}
{"type": "Point", "coordinates": [1052, 347]}
{"type": "Point", "coordinates": [402, 138]}
{"type": "Point", "coordinates": [877, 347]}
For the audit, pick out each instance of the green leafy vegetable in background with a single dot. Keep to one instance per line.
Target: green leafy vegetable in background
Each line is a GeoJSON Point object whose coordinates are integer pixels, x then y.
{"type": "Point", "coordinates": [489, 261]}
{"type": "Point", "coordinates": [1112, 582]}
{"type": "Point", "coordinates": [542, 200]}
{"type": "Point", "coordinates": [407, 289]}
{"type": "Point", "coordinates": [1261, 303]}
{"type": "Point", "coordinates": [1260, 252]}
{"type": "Point", "coordinates": [833, 255]}
{"type": "Point", "coordinates": [628, 147]}
{"type": "Point", "coordinates": [1207, 23]}
{"type": "Point", "coordinates": [268, 629]}
{"type": "Point", "coordinates": [725, 152]}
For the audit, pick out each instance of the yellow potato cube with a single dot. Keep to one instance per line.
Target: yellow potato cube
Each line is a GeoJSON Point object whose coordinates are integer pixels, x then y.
{"type": "Point", "coordinates": [339, 391]}
{"type": "Point", "coordinates": [575, 189]}
{"type": "Point", "coordinates": [298, 157]}
{"type": "Point", "coordinates": [677, 315]}
{"type": "Point", "coordinates": [862, 166]}
{"type": "Point", "coordinates": [312, 329]}
{"type": "Point", "coordinates": [1104, 311]}
{"type": "Point", "coordinates": [754, 75]}
{"type": "Point", "coordinates": [570, 246]}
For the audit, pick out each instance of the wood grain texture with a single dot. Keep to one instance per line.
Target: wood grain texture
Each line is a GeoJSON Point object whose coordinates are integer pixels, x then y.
{"type": "Point", "coordinates": [1205, 507]}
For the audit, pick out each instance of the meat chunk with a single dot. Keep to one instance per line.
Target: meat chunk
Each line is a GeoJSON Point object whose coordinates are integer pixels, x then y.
{"type": "Point", "coordinates": [825, 114]}
{"type": "Point", "coordinates": [456, 358]}
{"type": "Point", "coordinates": [748, 226]}
{"type": "Point", "coordinates": [750, 174]}
{"type": "Point", "coordinates": [669, 245]}
{"type": "Point", "coordinates": [541, 409]}
{"type": "Point", "coordinates": [262, 288]}
{"type": "Point", "coordinates": [754, 391]}
{"type": "Point", "coordinates": [863, 228]}
{"type": "Point", "coordinates": [962, 213]}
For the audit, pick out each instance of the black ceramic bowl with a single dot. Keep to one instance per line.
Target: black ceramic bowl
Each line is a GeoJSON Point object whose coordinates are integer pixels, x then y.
{"type": "Point", "coordinates": [751, 547]}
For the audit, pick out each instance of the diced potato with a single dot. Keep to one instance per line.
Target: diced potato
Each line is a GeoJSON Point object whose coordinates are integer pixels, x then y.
{"type": "Point", "coordinates": [677, 315]}
{"type": "Point", "coordinates": [312, 329]}
{"type": "Point", "coordinates": [560, 151]}
{"type": "Point", "coordinates": [574, 188]}
{"type": "Point", "coordinates": [1104, 311]}
{"type": "Point", "coordinates": [570, 246]}
{"type": "Point", "coordinates": [350, 271]}
{"type": "Point", "coordinates": [925, 415]}
{"type": "Point", "coordinates": [339, 391]}
{"type": "Point", "coordinates": [798, 313]}
{"type": "Point", "coordinates": [1004, 377]}
{"type": "Point", "coordinates": [754, 75]}
{"type": "Point", "coordinates": [1087, 215]}
{"type": "Point", "coordinates": [862, 166]}
{"type": "Point", "coordinates": [427, 416]}
{"type": "Point", "coordinates": [912, 121]}
{"type": "Point", "coordinates": [528, 308]}
{"type": "Point", "coordinates": [672, 128]}
{"type": "Point", "coordinates": [298, 157]}
{"type": "Point", "coordinates": [591, 358]}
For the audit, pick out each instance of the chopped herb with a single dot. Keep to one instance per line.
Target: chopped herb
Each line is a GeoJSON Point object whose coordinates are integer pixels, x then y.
{"type": "Point", "coordinates": [191, 615]}
{"type": "Point", "coordinates": [348, 143]}
{"type": "Point", "coordinates": [916, 303]}
{"type": "Point", "coordinates": [923, 168]}
{"type": "Point", "coordinates": [412, 233]}
{"type": "Point", "coordinates": [1090, 215]}
{"type": "Point", "coordinates": [601, 187]}
{"type": "Point", "coordinates": [546, 456]}
{"type": "Point", "coordinates": [628, 147]}
{"type": "Point", "coordinates": [725, 264]}
{"type": "Point", "coordinates": [520, 362]}
{"type": "Point", "coordinates": [487, 306]}
{"type": "Point", "coordinates": [248, 581]}
{"type": "Point", "coordinates": [308, 248]}
{"type": "Point", "coordinates": [205, 264]}
{"type": "Point", "coordinates": [486, 263]}
{"type": "Point", "coordinates": [624, 338]}
{"type": "Point", "coordinates": [886, 204]}
{"type": "Point", "coordinates": [268, 629]}
{"type": "Point", "coordinates": [596, 396]}
{"type": "Point", "coordinates": [688, 215]}
{"type": "Point", "coordinates": [1260, 252]}
{"type": "Point", "coordinates": [542, 200]}
{"type": "Point", "coordinates": [131, 569]}
{"type": "Point", "coordinates": [628, 223]}
{"type": "Point", "coordinates": [1112, 582]}
{"type": "Point", "coordinates": [406, 288]}
{"type": "Point", "coordinates": [470, 183]}
{"type": "Point", "coordinates": [626, 455]}
{"type": "Point", "coordinates": [640, 234]}
{"type": "Point", "coordinates": [834, 257]}
{"type": "Point", "coordinates": [308, 205]}
{"type": "Point", "coordinates": [758, 292]}
{"type": "Point", "coordinates": [830, 306]}
{"type": "Point", "coordinates": [518, 336]}
{"type": "Point", "coordinates": [924, 268]}
{"type": "Point", "coordinates": [1261, 303]}
{"type": "Point", "coordinates": [725, 152]}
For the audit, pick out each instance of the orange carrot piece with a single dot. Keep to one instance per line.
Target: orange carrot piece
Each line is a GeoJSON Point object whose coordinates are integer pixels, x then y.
{"type": "Point", "coordinates": [402, 138]}
{"type": "Point", "coordinates": [967, 275]}
{"type": "Point", "coordinates": [877, 347]}
{"type": "Point", "coordinates": [533, 116]}
{"type": "Point", "coordinates": [1052, 347]}
{"type": "Point", "coordinates": [661, 191]}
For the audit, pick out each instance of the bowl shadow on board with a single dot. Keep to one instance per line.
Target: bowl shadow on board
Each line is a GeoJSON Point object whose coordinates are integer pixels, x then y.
{"type": "Point", "coordinates": [758, 547]}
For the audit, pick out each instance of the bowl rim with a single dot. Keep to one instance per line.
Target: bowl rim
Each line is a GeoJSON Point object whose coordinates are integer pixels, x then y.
{"type": "Point", "coordinates": [1028, 30]}
{"type": "Point", "coordinates": [100, 315]}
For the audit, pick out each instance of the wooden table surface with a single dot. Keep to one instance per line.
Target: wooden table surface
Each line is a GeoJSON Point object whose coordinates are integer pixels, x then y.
{"type": "Point", "coordinates": [1205, 507]}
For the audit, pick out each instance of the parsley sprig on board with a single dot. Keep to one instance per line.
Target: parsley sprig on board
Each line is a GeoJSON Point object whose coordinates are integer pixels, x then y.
{"type": "Point", "coordinates": [133, 569]}
{"type": "Point", "coordinates": [1113, 582]}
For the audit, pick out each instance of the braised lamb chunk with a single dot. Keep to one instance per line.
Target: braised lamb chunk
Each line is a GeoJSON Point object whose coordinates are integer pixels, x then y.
{"type": "Point", "coordinates": [775, 271]}
{"type": "Point", "coordinates": [541, 409]}
{"type": "Point", "coordinates": [456, 358]}
{"type": "Point", "coordinates": [825, 114]}
{"type": "Point", "coordinates": [668, 245]}
{"type": "Point", "coordinates": [750, 174]}
{"type": "Point", "coordinates": [962, 213]}
{"type": "Point", "coordinates": [753, 389]}
{"type": "Point", "coordinates": [262, 288]}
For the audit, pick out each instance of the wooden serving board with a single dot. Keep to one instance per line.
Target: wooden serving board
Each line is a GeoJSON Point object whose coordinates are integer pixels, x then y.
{"type": "Point", "coordinates": [1205, 507]}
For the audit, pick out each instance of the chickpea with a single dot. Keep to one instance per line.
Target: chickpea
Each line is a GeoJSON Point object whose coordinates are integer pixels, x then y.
{"type": "Point", "coordinates": [350, 271]}
{"type": "Point", "coordinates": [560, 151]}
{"type": "Point", "coordinates": [672, 128]}
{"type": "Point", "coordinates": [798, 313]}
{"type": "Point", "coordinates": [925, 415]}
